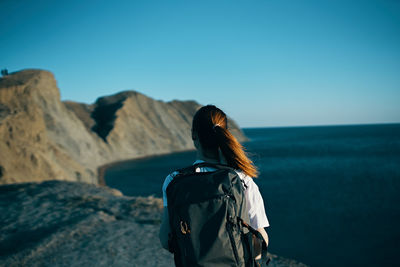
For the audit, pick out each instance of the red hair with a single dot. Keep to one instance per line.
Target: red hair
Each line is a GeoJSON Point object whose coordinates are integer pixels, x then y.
{"type": "Point", "coordinates": [211, 125]}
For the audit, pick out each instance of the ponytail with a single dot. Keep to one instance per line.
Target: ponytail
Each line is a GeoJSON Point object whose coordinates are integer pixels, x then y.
{"type": "Point", "coordinates": [234, 152]}
{"type": "Point", "coordinates": [211, 125]}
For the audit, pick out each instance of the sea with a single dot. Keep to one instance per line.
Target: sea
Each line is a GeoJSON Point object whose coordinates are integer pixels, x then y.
{"type": "Point", "coordinates": [331, 193]}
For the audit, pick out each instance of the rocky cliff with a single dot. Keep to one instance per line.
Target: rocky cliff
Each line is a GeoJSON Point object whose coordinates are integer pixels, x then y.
{"type": "Point", "coordinates": [43, 138]}
{"type": "Point", "coordinates": [60, 223]}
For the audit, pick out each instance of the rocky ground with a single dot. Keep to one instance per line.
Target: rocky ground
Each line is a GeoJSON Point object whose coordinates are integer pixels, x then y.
{"type": "Point", "coordinates": [58, 223]}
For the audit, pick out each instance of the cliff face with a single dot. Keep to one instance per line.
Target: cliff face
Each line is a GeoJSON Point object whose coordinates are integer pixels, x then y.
{"type": "Point", "coordinates": [43, 138]}
{"type": "Point", "coordinates": [40, 139]}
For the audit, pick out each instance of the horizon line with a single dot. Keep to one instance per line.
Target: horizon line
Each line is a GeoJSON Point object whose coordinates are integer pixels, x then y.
{"type": "Point", "coordinates": [321, 125]}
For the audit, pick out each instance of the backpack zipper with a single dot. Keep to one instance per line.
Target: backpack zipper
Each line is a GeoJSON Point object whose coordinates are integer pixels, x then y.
{"type": "Point", "coordinates": [232, 239]}
{"type": "Point", "coordinates": [185, 231]}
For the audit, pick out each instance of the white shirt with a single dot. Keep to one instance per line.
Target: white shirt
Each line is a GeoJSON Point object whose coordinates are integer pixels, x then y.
{"type": "Point", "coordinates": [255, 203]}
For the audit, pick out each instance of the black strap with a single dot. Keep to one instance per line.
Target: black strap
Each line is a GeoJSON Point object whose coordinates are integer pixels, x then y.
{"type": "Point", "coordinates": [214, 165]}
{"type": "Point", "coordinates": [218, 166]}
{"type": "Point", "coordinates": [192, 168]}
{"type": "Point", "coordinates": [257, 234]}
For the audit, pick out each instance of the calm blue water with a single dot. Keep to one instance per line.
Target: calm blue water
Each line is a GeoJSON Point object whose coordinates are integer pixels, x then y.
{"type": "Point", "coordinates": [332, 193]}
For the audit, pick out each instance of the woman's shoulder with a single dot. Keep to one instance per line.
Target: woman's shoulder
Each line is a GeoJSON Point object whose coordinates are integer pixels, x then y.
{"type": "Point", "coordinates": [169, 178]}
{"type": "Point", "coordinates": [248, 180]}
{"type": "Point", "coordinates": [243, 176]}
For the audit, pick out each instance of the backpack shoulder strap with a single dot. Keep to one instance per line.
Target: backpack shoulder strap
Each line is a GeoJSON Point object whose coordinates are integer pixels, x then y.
{"type": "Point", "coordinates": [185, 171]}
{"type": "Point", "coordinates": [192, 168]}
{"type": "Point", "coordinates": [213, 165]}
{"type": "Point", "coordinates": [220, 167]}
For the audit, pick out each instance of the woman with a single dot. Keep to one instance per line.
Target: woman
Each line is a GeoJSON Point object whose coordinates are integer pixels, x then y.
{"type": "Point", "coordinates": [215, 144]}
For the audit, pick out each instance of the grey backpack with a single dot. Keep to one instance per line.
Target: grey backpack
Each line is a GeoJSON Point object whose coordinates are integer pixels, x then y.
{"type": "Point", "coordinates": [209, 219]}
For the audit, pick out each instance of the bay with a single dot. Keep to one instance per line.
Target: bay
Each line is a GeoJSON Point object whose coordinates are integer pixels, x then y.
{"type": "Point", "coordinates": [331, 192]}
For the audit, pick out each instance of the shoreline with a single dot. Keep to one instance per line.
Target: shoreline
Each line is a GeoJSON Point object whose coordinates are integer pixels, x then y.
{"type": "Point", "coordinates": [102, 169]}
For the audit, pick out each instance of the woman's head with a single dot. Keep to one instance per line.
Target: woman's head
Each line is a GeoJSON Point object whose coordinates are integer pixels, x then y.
{"type": "Point", "coordinates": [210, 127]}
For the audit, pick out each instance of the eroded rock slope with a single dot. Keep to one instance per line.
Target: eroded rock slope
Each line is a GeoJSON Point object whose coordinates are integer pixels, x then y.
{"type": "Point", "coordinates": [43, 138]}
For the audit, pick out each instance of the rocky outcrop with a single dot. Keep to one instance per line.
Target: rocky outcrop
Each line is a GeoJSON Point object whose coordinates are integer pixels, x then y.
{"type": "Point", "coordinates": [61, 223]}
{"type": "Point", "coordinates": [40, 139]}
{"type": "Point", "coordinates": [43, 138]}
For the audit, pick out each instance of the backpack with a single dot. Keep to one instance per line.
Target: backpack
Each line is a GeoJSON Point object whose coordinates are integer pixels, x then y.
{"type": "Point", "coordinates": [208, 219]}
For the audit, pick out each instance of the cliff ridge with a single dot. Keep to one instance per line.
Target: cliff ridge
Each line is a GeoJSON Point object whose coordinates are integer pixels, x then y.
{"type": "Point", "coordinates": [44, 137]}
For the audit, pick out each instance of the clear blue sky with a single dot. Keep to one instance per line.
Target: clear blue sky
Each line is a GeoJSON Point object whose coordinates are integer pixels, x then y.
{"type": "Point", "coordinates": [266, 63]}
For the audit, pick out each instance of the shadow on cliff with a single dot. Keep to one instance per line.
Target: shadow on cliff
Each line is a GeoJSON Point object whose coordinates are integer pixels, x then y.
{"type": "Point", "coordinates": [104, 116]}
